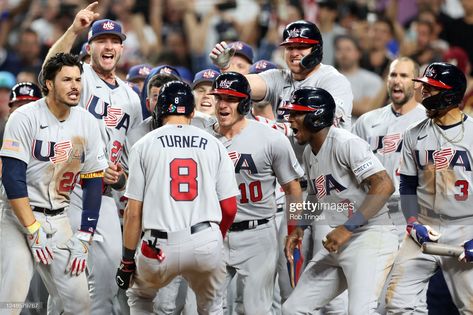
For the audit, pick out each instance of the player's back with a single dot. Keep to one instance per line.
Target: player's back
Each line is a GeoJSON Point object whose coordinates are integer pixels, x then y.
{"type": "Point", "coordinates": [185, 172]}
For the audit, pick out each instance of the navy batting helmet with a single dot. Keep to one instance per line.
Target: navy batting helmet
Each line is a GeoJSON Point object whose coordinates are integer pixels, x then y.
{"type": "Point", "coordinates": [451, 82]}
{"type": "Point", "coordinates": [25, 91]}
{"type": "Point", "coordinates": [175, 98]}
{"type": "Point", "coordinates": [234, 84]}
{"type": "Point", "coordinates": [304, 32]}
{"type": "Point", "coordinates": [317, 103]}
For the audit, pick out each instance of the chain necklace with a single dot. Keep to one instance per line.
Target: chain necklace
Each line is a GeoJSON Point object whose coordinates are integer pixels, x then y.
{"type": "Point", "coordinates": [453, 140]}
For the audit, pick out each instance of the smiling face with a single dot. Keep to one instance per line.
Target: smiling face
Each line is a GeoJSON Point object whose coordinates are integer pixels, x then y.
{"type": "Point", "coordinates": [66, 87]}
{"type": "Point", "coordinates": [204, 102]}
{"type": "Point", "coordinates": [293, 54]}
{"type": "Point", "coordinates": [105, 52]}
{"type": "Point", "coordinates": [226, 111]}
{"type": "Point", "coordinates": [400, 84]}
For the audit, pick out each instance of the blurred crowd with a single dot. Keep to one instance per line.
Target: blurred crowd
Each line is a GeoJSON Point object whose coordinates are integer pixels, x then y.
{"type": "Point", "coordinates": [361, 37]}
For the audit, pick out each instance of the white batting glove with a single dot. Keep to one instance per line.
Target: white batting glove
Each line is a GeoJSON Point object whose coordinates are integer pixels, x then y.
{"type": "Point", "coordinates": [78, 246]}
{"type": "Point", "coordinates": [39, 239]}
{"type": "Point", "coordinates": [221, 55]}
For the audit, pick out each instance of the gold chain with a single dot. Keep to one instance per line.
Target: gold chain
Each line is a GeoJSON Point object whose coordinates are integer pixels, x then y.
{"type": "Point", "coordinates": [461, 133]}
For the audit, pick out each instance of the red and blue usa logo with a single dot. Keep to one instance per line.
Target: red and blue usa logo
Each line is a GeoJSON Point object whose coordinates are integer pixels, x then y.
{"type": "Point", "coordinates": [62, 152]}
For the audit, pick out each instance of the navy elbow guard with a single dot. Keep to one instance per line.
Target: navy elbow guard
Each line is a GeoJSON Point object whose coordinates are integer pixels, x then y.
{"type": "Point", "coordinates": [91, 201]}
{"type": "Point", "coordinates": [14, 177]}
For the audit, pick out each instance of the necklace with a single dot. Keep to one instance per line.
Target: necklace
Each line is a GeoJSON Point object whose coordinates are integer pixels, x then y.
{"type": "Point", "coordinates": [453, 140]}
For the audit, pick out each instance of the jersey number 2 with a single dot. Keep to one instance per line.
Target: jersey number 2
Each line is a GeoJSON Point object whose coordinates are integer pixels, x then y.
{"type": "Point", "coordinates": [183, 179]}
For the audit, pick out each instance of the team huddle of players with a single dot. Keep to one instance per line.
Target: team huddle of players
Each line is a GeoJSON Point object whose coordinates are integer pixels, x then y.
{"type": "Point", "coordinates": [211, 177]}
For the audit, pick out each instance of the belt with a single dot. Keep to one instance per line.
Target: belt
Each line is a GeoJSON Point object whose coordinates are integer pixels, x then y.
{"type": "Point", "coordinates": [280, 209]}
{"type": "Point", "coordinates": [194, 229]}
{"type": "Point", "coordinates": [247, 225]}
{"type": "Point", "coordinates": [48, 211]}
{"type": "Point", "coordinates": [434, 215]}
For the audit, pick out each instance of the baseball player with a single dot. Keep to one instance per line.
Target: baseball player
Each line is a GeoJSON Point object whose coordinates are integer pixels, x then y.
{"type": "Point", "coordinates": [23, 93]}
{"type": "Point", "coordinates": [435, 184]}
{"type": "Point", "coordinates": [242, 60]}
{"type": "Point", "coordinates": [183, 228]}
{"type": "Point", "coordinates": [350, 188]}
{"type": "Point", "coordinates": [303, 55]}
{"type": "Point", "coordinates": [383, 128]}
{"type": "Point", "coordinates": [117, 110]}
{"type": "Point", "coordinates": [137, 75]}
{"type": "Point", "coordinates": [48, 144]}
{"type": "Point", "coordinates": [260, 156]}
{"type": "Point", "coordinates": [201, 86]}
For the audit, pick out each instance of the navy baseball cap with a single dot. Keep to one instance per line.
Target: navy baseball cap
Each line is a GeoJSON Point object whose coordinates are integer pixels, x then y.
{"type": "Point", "coordinates": [106, 26]}
{"type": "Point", "coordinates": [166, 70]}
{"type": "Point", "coordinates": [206, 75]}
{"type": "Point", "coordinates": [243, 49]}
{"type": "Point", "coordinates": [261, 66]}
{"type": "Point", "coordinates": [7, 80]}
{"type": "Point", "coordinates": [83, 51]}
{"type": "Point", "coordinates": [138, 72]}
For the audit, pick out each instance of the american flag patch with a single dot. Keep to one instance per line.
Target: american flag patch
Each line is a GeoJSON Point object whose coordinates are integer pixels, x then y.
{"type": "Point", "coordinates": [181, 109]}
{"type": "Point", "coordinates": [11, 145]}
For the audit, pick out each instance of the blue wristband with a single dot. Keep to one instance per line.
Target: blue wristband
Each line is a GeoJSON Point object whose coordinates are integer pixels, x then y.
{"type": "Point", "coordinates": [357, 220]}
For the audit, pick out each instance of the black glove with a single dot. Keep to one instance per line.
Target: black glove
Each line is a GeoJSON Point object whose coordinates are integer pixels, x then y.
{"type": "Point", "coordinates": [124, 276]}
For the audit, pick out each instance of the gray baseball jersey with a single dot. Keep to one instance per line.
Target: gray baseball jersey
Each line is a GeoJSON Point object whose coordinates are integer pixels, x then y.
{"type": "Point", "coordinates": [383, 129]}
{"type": "Point", "coordinates": [117, 110]}
{"type": "Point", "coordinates": [280, 85]}
{"type": "Point", "coordinates": [443, 167]}
{"type": "Point", "coordinates": [336, 172]}
{"type": "Point", "coordinates": [260, 155]}
{"type": "Point", "coordinates": [194, 165]}
{"type": "Point", "coordinates": [56, 152]}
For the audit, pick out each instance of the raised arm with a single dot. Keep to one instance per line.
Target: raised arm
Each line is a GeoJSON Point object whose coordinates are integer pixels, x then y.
{"type": "Point", "coordinates": [82, 21]}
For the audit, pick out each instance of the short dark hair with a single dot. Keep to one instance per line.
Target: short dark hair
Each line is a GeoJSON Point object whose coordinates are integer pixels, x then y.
{"type": "Point", "coordinates": [54, 64]}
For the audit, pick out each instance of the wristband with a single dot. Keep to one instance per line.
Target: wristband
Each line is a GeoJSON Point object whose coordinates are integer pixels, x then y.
{"type": "Point", "coordinates": [356, 221]}
{"type": "Point", "coordinates": [32, 228]}
{"type": "Point", "coordinates": [128, 254]}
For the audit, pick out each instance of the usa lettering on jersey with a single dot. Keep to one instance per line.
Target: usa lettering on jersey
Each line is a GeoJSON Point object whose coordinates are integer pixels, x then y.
{"type": "Point", "coordinates": [324, 184]}
{"type": "Point", "coordinates": [243, 161]}
{"type": "Point", "coordinates": [62, 151]}
{"type": "Point", "coordinates": [442, 159]}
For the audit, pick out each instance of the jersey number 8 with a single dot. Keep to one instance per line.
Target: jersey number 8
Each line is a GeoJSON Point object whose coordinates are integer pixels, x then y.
{"type": "Point", "coordinates": [183, 179]}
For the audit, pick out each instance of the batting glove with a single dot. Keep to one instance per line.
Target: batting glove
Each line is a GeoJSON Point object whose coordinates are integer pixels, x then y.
{"type": "Point", "coordinates": [422, 233]}
{"type": "Point", "coordinates": [39, 239]}
{"type": "Point", "coordinates": [221, 55]}
{"type": "Point", "coordinates": [467, 255]}
{"type": "Point", "coordinates": [78, 246]}
{"type": "Point", "coordinates": [124, 276]}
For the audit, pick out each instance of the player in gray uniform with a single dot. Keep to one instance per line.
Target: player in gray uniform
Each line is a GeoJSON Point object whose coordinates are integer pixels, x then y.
{"type": "Point", "coordinates": [48, 144]}
{"type": "Point", "coordinates": [350, 187]}
{"type": "Point", "coordinates": [117, 109]}
{"type": "Point", "coordinates": [435, 185]}
{"type": "Point", "coordinates": [193, 177]}
{"type": "Point", "coordinates": [383, 128]}
{"type": "Point", "coordinates": [303, 55]}
{"type": "Point", "coordinates": [260, 155]}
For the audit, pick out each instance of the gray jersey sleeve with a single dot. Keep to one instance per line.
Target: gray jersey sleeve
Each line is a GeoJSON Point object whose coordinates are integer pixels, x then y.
{"type": "Point", "coordinates": [285, 164]}
{"type": "Point", "coordinates": [408, 164]}
{"type": "Point", "coordinates": [226, 185]}
{"type": "Point", "coordinates": [95, 156]}
{"type": "Point", "coordinates": [275, 82]}
{"type": "Point", "coordinates": [357, 156]}
{"type": "Point", "coordinates": [135, 186]}
{"type": "Point", "coordinates": [17, 138]}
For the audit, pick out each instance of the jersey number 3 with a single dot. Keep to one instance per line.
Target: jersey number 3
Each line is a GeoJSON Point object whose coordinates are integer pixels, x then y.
{"type": "Point", "coordinates": [183, 179]}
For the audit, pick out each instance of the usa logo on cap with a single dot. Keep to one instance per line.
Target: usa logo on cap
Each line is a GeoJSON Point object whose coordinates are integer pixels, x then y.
{"type": "Point", "coordinates": [294, 33]}
{"type": "Point", "coordinates": [108, 26]}
{"type": "Point", "coordinates": [144, 71]}
{"type": "Point", "coordinates": [209, 74]}
{"type": "Point", "coordinates": [225, 84]}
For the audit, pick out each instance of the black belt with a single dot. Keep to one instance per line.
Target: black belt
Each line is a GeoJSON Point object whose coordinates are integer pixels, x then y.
{"type": "Point", "coordinates": [280, 209]}
{"type": "Point", "coordinates": [434, 215]}
{"type": "Point", "coordinates": [246, 225]}
{"type": "Point", "coordinates": [48, 211]}
{"type": "Point", "coordinates": [194, 229]}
